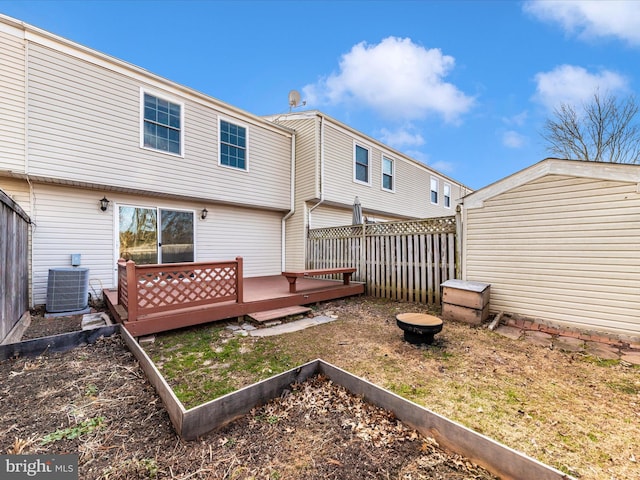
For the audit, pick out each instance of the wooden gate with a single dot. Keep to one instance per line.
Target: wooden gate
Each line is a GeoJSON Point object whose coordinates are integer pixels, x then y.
{"type": "Point", "coordinates": [405, 260]}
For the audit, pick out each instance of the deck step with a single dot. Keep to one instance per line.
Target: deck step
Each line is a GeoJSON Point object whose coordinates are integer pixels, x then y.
{"type": "Point", "coordinates": [269, 315]}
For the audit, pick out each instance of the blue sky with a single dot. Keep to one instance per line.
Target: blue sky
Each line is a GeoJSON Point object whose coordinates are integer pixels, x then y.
{"type": "Point", "coordinates": [463, 86]}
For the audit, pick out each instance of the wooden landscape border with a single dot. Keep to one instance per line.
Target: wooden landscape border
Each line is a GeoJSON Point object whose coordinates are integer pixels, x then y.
{"type": "Point", "coordinates": [190, 424]}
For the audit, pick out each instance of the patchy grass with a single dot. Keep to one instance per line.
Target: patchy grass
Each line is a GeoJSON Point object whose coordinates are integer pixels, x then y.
{"type": "Point", "coordinates": [573, 411]}
{"type": "Point", "coordinates": [208, 362]}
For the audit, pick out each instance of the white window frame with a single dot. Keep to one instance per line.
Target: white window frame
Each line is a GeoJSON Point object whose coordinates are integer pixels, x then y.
{"type": "Point", "coordinates": [368, 149]}
{"type": "Point", "coordinates": [246, 148]}
{"type": "Point", "coordinates": [393, 174]}
{"type": "Point", "coordinates": [157, 208]}
{"type": "Point", "coordinates": [446, 195]}
{"type": "Point", "coordinates": [168, 98]}
{"type": "Point", "coordinates": [432, 190]}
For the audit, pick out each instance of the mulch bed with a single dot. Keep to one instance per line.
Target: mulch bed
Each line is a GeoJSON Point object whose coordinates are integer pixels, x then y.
{"type": "Point", "coordinates": [42, 326]}
{"type": "Point", "coordinates": [95, 401]}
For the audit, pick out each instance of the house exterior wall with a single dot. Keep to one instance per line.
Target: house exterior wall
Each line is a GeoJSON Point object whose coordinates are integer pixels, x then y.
{"type": "Point", "coordinates": [307, 178]}
{"type": "Point", "coordinates": [410, 198]}
{"type": "Point", "coordinates": [12, 99]}
{"type": "Point", "coordinates": [328, 216]}
{"type": "Point", "coordinates": [84, 126]}
{"type": "Point", "coordinates": [70, 133]}
{"type": "Point", "coordinates": [560, 248]}
{"type": "Point", "coordinates": [68, 220]}
{"type": "Point", "coordinates": [326, 189]}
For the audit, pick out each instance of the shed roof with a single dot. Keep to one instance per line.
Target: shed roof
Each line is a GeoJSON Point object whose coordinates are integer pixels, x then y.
{"type": "Point", "coordinates": [553, 166]}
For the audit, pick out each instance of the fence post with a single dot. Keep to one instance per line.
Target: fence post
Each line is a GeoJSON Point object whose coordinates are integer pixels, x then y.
{"type": "Point", "coordinates": [363, 252]}
{"type": "Point", "coordinates": [239, 281]}
{"type": "Point", "coordinates": [458, 253]}
{"type": "Point", "coordinates": [132, 292]}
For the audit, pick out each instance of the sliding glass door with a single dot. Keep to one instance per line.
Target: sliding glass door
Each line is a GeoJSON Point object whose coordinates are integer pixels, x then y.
{"type": "Point", "coordinates": [155, 235]}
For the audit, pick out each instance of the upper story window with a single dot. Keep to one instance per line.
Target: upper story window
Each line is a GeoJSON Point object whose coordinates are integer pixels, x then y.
{"type": "Point", "coordinates": [233, 145]}
{"type": "Point", "coordinates": [434, 190]}
{"type": "Point", "coordinates": [162, 124]}
{"type": "Point", "coordinates": [447, 195]}
{"type": "Point", "coordinates": [361, 164]}
{"type": "Point", "coordinates": [387, 174]}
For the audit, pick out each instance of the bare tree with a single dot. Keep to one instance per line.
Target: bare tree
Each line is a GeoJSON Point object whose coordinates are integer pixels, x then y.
{"type": "Point", "coordinates": [604, 130]}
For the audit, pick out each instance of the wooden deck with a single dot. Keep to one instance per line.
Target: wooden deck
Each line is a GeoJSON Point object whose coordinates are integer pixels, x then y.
{"type": "Point", "coordinates": [258, 294]}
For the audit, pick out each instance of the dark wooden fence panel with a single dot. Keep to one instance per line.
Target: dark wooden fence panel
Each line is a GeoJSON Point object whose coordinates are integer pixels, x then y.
{"type": "Point", "coordinates": [14, 263]}
{"type": "Point", "coordinates": [398, 260]}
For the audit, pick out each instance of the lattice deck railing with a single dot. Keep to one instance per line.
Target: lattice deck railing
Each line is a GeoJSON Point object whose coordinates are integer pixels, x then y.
{"type": "Point", "coordinates": [149, 289]}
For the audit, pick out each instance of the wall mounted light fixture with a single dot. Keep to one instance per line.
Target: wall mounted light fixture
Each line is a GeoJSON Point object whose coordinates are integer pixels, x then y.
{"type": "Point", "coordinates": [204, 213]}
{"type": "Point", "coordinates": [104, 204]}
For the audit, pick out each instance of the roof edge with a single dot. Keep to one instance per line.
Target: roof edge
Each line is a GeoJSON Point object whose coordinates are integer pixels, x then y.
{"type": "Point", "coordinates": [554, 166]}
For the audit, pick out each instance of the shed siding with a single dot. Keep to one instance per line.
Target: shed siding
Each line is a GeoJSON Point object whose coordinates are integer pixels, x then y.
{"type": "Point", "coordinates": [12, 99]}
{"type": "Point", "coordinates": [563, 249]}
{"type": "Point", "coordinates": [85, 127]}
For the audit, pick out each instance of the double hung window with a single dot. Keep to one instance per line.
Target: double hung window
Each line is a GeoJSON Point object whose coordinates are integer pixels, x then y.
{"type": "Point", "coordinates": [387, 174]}
{"type": "Point", "coordinates": [361, 164]}
{"type": "Point", "coordinates": [233, 145]}
{"type": "Point", "coordinates": [447, 195]}
{"type": "Point", "coordinates": [434, 190]}
{"type": "Point", "coordinates": [162, 124]}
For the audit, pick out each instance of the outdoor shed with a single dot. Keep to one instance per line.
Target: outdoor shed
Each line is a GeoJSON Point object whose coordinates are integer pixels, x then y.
{"type": "Point", "coordinates": [559, 242]}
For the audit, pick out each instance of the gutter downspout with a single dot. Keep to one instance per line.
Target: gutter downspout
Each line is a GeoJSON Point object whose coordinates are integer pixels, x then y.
{"type": "Point", "coordinates": [321, 171]}
{"type": "Point", "coordinates": [292, 205]}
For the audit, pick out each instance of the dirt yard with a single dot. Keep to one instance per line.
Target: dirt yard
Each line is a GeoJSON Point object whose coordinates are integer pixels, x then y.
{"type": "Point", "coordinates": [577, 413]}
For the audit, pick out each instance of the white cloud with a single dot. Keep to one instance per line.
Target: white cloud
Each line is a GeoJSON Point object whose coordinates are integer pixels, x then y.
{"type": "Point", "coordinates": [513, 139]}
{"type": "Point", "coordinates": [517, 120]}
{"type": "Point", "coordinates": [574, 85]}
{"type": "Point", "coordinates": [591, 19]}
{"type": "Point", "coordinates": [402, 137]}
{"type": "Point", "coordinates": [442, 166]}
{"type": "Point", "coordinates": [396, 78]}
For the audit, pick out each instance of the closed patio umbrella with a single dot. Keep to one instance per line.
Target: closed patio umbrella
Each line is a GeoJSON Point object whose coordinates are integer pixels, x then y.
{"type": "Point", "coordinates": [357, 212]}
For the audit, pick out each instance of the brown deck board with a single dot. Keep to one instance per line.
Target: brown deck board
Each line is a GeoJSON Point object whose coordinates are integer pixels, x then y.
{"type": "Point", "coordinates": [278, 313]}
{"type": "Point", "coordinates": [260, 294]}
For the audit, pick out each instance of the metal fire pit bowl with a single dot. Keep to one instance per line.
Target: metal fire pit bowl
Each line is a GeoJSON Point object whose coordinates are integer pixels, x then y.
{"type": "Point", "coordinates": [419, 328]}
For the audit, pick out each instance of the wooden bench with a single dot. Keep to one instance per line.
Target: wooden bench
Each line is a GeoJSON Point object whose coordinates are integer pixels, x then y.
{"type": "Point", "coordinates": [292, 277]}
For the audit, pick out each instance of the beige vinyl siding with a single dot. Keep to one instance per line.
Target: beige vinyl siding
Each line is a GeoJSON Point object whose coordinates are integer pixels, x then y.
{"type": "Point", "coordinates": [563, 249]}
{"type": "Point", "coordinates": [68, 220]}
{"type": "Point", "coordinates": [410, 198]}
{"type": "Point", "coordinates": [327, 216]}
{"type": "Point", "coordinates": [12, 99]}
{"type": "Point", "coordinates": [306, 187]}
{"type": "Point", "coordinates": [85, 127]}
{"type": "Point", "coordinates": [254, 235]}
{"type": "Point", "coordinates": [18, 190]}
{"type": "Point", "coordinates": [295, 238]}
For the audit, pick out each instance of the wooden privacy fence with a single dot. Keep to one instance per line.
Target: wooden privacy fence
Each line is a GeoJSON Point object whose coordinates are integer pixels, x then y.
{"type": "Point", "coordinates": [405, 260]}
{"type": "Point", "coordinates": [14, 263]}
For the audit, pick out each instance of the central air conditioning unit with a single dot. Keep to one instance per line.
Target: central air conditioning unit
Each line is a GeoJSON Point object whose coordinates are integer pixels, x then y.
{"type": "Point", "coordinates": [67, 289]}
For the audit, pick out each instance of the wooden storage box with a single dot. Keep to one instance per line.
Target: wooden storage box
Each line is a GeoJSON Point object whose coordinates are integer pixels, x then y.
{"type": "Point", "coordinates": [465, 301]}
